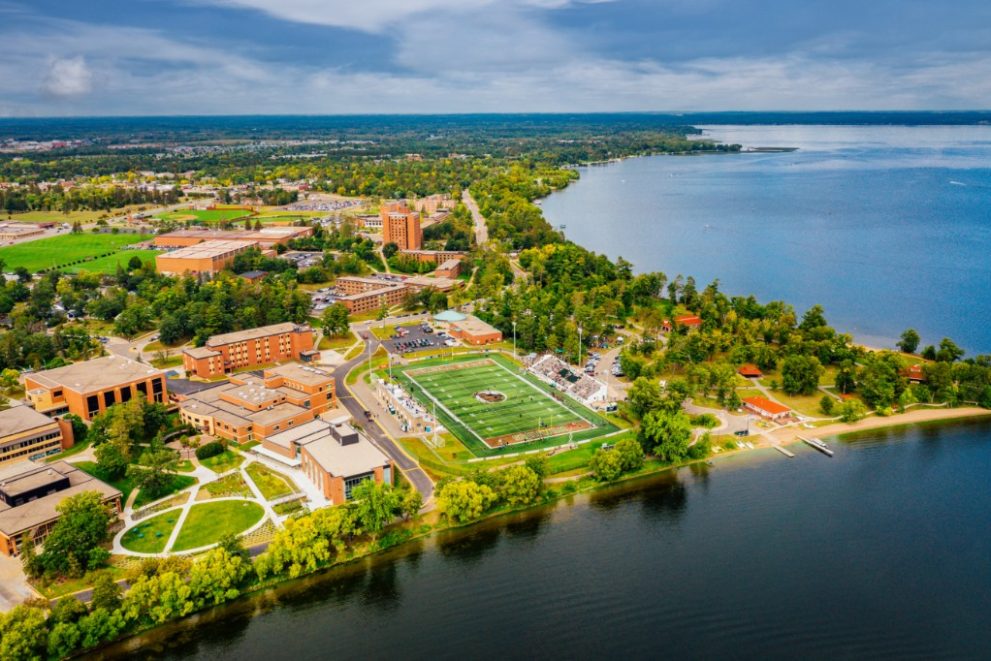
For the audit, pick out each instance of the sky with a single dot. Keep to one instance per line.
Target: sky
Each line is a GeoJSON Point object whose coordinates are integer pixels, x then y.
{"type": "Point", "coordinates": [188, 57]}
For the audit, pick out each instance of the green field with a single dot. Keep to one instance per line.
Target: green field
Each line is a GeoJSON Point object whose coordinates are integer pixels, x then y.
{"type": "Point", "coordinates": [109, 264]}
{"type": "Point", "coordinates": [205, 215]}
{"type": "Point", "coordinates": [528, 411]}
{"type": "Point", "coordinates": [207, 523]}
{"type": "Point", "coordinates": [69, 251]}
{"type": "Point", "coordinates": [151, 535]}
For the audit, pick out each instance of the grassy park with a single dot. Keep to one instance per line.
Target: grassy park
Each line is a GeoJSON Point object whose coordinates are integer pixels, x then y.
{"type": "Point", "coordinates": [151, 535]}
{"type": "Point", "coordinates": [110, 263]}
{"type": "Point", "coordinates": [72, 252]}
{"type": "Point", "coordinates": [207, 523]}
{"type": "Point", "coordinates": [205, 215]}
{"type": "Point", "coordinates": [272, 484]}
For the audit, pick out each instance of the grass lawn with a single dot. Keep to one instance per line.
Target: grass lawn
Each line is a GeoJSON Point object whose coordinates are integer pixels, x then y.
{"type": "Point", "coordinates": [150, 535]}
{"type": "Point", "coordinates": [110, 263]}
{"type": "Point", "coordinates": [186, 466]}
{"type": "Point", "coordinates": [207, 523]}
{"type": "Point", "coordinates": [290, 507]}
{"type": "Point", "coordinates": [86, 216]}
{"type": "Point", "coordinates": [271, 483]}
{"type": "Point", "coordinates": [178, 483]}
{"type": "Point", "coordinates": [65, 454]}
{"type": "Point", "coordinates": [205, 215]}
{"type": "Point", "coordinates": [65, 250]}
{"type": "Point", "coordinates": [387, 331]}
{"type": "Point", "coordinates": [223, 462]}
{"type": "Point", "coordinates": [171, 361]}
{"type": "Point", "coordinates": [125, 485]}
{"type": "Point", "coordinates": [337, 343]}
{"type": "Point", "coordinates": [64, 586]}
{"type": "Point", "coordinates": [232, 485]}
{"type": "Point", "coordinates": [564, 462]}
{"type": "Point", "coordinates": [805, 404]}
{"type": "Point", "coordinates": [529, 414]}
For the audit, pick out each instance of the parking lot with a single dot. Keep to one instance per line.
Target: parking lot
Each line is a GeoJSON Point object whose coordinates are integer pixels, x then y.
{"type": "Point", "coordinates": [415, 339]}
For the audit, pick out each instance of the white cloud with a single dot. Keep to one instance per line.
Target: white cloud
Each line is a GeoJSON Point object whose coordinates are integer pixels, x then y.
{"type": "Point", "coordinates": [68, 77]}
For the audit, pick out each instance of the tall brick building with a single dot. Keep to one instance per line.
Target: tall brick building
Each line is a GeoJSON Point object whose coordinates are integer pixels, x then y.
{"type": "Point", "coordinates": [256, 346]}
{"type": "Point", "coordinates": [401, 226]}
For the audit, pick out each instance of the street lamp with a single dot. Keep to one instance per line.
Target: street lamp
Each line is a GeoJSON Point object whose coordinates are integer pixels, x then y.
{"type": "Point", "coordinates": [514, 338]}
{"type": "Point", "coordinates": [579, 345]}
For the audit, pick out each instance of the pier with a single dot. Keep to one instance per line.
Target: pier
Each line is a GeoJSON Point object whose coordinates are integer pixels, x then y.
{"type": "Point", "coordinates": [817, 444]}
{"type": "Point", "coordinates": [784, 451]}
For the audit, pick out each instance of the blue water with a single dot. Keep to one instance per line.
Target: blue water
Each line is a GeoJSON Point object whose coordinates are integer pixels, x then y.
{"type": "Point", "coordinates": [888, 227]}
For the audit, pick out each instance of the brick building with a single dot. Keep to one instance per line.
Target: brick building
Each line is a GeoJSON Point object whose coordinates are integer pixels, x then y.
{"type": "Point", "coordinates": [253, 406]}
{"type": "Point", "coordinates": [91, 387]}
{"type": "Point", "coordinates": [474, 331]}
{"type": "Point", "coordinates": [207, 258]}
{"type": "Point", "coordinates": [256, 346]}
{"type": "Point", "coordinates": [401, 226]}
{"type": "Point", "coordinates": [267, 237]}
{"type": "Point", "coordinates": [27, 434]}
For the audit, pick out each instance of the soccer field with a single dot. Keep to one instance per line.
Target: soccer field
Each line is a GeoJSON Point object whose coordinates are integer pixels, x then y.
{"type": "Point", "coordinates": [68, 251]}
{"type": "Point", "coordinates": [496, 405]}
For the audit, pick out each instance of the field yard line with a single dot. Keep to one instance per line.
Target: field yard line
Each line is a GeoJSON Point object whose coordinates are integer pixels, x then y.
{"type": "Point", "coordinates": [446, 410]}
{"type": "Point", "coordinates": [545, 394]}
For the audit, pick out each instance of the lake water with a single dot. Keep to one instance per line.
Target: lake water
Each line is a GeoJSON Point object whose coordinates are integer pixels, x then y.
{"type": "Point", "coordinates": [881, 551]}
{"type": "Point", "coordinates": [888, 227]}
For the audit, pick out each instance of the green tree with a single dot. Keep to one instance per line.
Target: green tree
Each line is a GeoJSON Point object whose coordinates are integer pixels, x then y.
{"type": "Point", "coordinates": [410, 503]}
{"type": "Point", "coordinates": [909, 341]}
{"type": "Point", "coordinates": [800, 375]}
{"type": "Point", "coordinates": [606, 465]}
{"type": "Point", "coordinates": [335, 319]}
{"type": "Point", "coordinates": [81, 527]}
{"type": "Point", "coordinates": [217, 577]}
{"type": "Point", "coordinates": [644, 396]}
{"type": "Point", "coordinates": [23, 634]}
{"type": "Point", "coordinates": [111, 460]}
{"type": "Point", "coordinates": [298, 548]}
{"type": "Point", "coordinates": [100, 626]}
{"type": "Point", "coordinates": [630, 454]}
{"type": "Point", "coordinates": [157, 470]}
{"type": "Point", "coordinates": [106, 592]}
{"type": "Point", "coordinates": [948, 351]}
{"type": "Point", "coordinates": [827, 404]}
{"type": "Point", "coordinates": [666, 434]}
{"type": "Point", "coordinates": [852, 410]}
{"type": "Point", "coordinates": [375, 505]}
{"type": "Point", "coordinates": [464, 500]}
{"type": "Point", "coordinates": [389, 250]}
{"type": "Point", "coordinates": [518, 485]}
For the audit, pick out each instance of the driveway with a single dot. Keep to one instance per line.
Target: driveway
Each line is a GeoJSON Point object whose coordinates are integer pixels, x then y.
{"type": "Point", "coordinates": [14, 588]}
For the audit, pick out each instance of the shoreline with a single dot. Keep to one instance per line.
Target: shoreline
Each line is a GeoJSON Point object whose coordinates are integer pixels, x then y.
{"type": "Point", "coordinates": [789, 436]}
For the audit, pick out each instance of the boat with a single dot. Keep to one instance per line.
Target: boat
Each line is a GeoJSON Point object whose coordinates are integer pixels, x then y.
{"type": "Point", "coordinates": [818, 445]}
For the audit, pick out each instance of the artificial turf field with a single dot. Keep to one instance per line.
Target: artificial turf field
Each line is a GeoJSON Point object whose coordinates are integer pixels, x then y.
{"type": "Point", "coordinates": [530, 411]}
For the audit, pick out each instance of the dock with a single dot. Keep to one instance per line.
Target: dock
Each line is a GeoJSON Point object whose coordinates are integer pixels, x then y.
{"type": "Point", "coordinates": [785, 452]}
{"type": "Point", "coordinates": [816, 444]}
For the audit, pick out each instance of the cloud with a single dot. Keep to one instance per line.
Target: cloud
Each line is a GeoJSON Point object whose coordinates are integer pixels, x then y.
{"type": "Point", "coordinates": [68, 77]}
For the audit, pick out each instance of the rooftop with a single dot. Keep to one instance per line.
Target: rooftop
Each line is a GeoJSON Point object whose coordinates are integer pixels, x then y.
{"type": "Point", "coordinates": [475, 326]}
{"type": "Point", "coordinates": [19, 419]}
{"type": "Point", "coordinates": [266, 234]}
{"type": "Point", "coordinates": [255, 333]}
{"type": "Point", "coordinates": [208, 250]}
{"type": "Point", "coordinates": [200, 352]}
{"type": "Point", "coordinates": [96, 374]}
{"type": "Point", "coordinates": [310, 376]}
{"type": "Point", "coordinates": [766, 405]}
{"type": "Point", "coordinates": [340, 460]}
{"type": "Point", "coordinates": [14, 520]}
{"type": "Point", "coordinates": [450, 315]}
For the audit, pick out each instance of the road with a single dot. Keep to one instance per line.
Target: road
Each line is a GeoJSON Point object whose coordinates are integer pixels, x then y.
{"type": "Point", "coordinates": [410, 469]}
{"type": "Point", "coordinates": [481, 229]}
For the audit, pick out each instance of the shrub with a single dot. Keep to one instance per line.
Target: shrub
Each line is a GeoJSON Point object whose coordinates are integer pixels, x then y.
{"type": "Point", "coordinates": [211, 449]}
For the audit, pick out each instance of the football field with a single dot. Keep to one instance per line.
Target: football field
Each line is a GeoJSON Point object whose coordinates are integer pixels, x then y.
{"type": "Point", "coordinates": [495, 404]}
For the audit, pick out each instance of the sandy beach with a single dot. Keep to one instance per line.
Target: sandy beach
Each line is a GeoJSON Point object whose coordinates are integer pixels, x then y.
{"type": "Point", "coordinates": [791, 434]}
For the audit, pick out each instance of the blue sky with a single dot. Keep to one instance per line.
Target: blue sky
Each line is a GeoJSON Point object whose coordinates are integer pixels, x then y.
{"type": "Point", "coordinates": [122, 57]}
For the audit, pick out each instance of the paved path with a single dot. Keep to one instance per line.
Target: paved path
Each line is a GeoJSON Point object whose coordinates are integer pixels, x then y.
{"type": "Point", "coordinates": [481, 229]}
{"type": "Point", "coordinates": [356, 407]}
{"type": "Point", "coordinates": [14, 587]}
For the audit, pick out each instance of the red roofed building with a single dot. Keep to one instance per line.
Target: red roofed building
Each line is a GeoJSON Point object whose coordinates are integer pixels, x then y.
{"type": "Point", "coordinates": [750, 371]}
{"type": "Point", "coordinates": [690, 321]}
{"type": "Point", "coordinates": [765, 408]}
{"type": "Point", "coordinates": [915, 374]}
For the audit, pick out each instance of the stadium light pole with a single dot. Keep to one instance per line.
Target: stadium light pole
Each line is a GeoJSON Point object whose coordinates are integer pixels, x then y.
{"type": "Point", "coordinates": [514, 338]}
{"type": "Point", "coordinates": [579, 345]}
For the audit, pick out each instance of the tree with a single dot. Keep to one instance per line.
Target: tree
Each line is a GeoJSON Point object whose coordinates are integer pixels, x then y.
{"type": "Point", "coordinates": [826, 404]}
{"type": "Point", "coordinates": [852, 410]}
{"type": "Point", "coordinates": [630, 454]}
{"type": "Point", "coordinates": [389, 250]}
{"type": "Point", "coordinates": [606, 465]}
{"type": "Point", "coordinates": [410, 503]}
{"type": "Point", "coordinates": [159, 466]}
{"type": "Point", "coordinates": [335, 319]}
{"type": "Point", "coordinates": [464, 500]}
{"type": "Point", "coordinates": [666, 434]}
{"type": "Point", "coordinates": [644, 396]}
{"type": "Point", "coordinates": [814, 318]}
{"type": "Point", "coordinates": [948, 351]}
{"type": "Point", "coordinates": [81, 527]}
{"type": "Point", "coordinates": [217, 577]}
{"type": "Point", "coordinates": [23, 633]}
{"type": "Point", "coordinates": [111, 460]}
{"type": "Point", "coordinates": [134, 263]}
{"type": "Point", "coordinates": [375, 504]}
{"type": "Point", "coordinates": [800, 375]}
{"type": "Point", "coordinates": [518, 485]}
{"type": "Point", "coordinates": [106, 592]}
{"type": "Point", "coordinates": [909, 341]}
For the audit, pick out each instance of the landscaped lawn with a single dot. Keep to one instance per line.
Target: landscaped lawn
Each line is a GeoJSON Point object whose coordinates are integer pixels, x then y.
{"type": "Point", "coordinates": [178, 483]}
{"type": "Point", "coordinates": [232, 485]}
{"type": "Point", "coordinates": [110, 263]}
{"type": "Point", "coordinates": [223, 462]}
{"type": "Point", "coordinates": [205, 215]}
{"type": "Point", "coordinates": [83, 216]}
{"type": "Point", "coordinates": [63, 250]}
{"type": "Point", "coordinates": [125, 484]}
{"type": "Point", "coordinates": [207, 523]}
{"type": "Point", "coordinates": [272, 484]}
{"type": "Point", "coordinates": [150, 535]}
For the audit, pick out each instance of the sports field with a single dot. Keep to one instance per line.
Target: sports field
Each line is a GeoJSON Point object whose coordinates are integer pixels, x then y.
{"type": "Point", "coordinates": [488, 400]}
{"type": "Point", "coordinates": [66, 250]}
{"type": "Point", "coordinates": [109, 264]}
{"type": "Point", "coordinates": [205, 215]}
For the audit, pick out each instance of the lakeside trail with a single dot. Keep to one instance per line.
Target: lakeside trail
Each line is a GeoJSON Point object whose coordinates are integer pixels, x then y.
{"type": "Point", "coordinates": [791, 434]}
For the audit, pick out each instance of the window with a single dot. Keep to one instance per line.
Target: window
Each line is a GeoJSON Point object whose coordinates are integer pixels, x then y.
{"type": "Point", "coordinates": [92, 405]}
{"type": "Point", "coordinates": [351, 482]}
{"type": "Point", "coordinates": [109, 398]}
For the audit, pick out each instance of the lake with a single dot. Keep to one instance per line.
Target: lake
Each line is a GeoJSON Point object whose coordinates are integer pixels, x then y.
{"type": "Point", "coordinates": [881, 551]}
{"type": "Point", "coordinates": [888, 227]}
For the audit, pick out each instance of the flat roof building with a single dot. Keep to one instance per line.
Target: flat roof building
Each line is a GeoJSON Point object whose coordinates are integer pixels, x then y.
{"type": "Point", "coordinates": [473, 330]}
{"type": "Point", "coordinates": [252, 405]}
{"type": "Point", "coordinates": [401, 226]}
{"type": "Point", "coordinates": [336, 457]}
{"type": "Point", "coordinates": [27, 434]}
{"type": "Point", "coordinates": [91, 387]}
{"type": "Point", "coordinates": [266, 237]}
{"type": "Point", "coordinates": [255, 346]}
{"type": "Point", "coordinates": [29, 494]}
{"type": "Point", "coordinates": [16, 231]}
{"type": "Point", "coordinates": [207, 258]}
